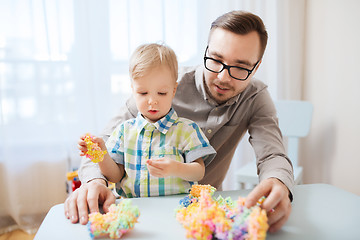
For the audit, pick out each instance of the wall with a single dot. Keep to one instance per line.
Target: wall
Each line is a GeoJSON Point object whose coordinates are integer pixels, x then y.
{"type": "Point", "coordinates": [330, 154]}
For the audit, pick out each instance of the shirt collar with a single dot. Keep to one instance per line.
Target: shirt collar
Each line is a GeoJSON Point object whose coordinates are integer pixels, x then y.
{"type": "Point", "coordinates": [162, 125]}
{"type": "Point", "coordinates": [200, 85]}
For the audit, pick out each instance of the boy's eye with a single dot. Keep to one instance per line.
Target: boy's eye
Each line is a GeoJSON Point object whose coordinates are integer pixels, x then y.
{"type": "Point", "coordinates": [142, 93]}
{"type": "Point", "coordinates": [162, 93]}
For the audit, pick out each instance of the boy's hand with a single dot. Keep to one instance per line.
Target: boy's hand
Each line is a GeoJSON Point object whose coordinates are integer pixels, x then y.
{"type": "Point", "coordinates": [82, 144]}
{"type": "Point", "coordinates": [162, 167]}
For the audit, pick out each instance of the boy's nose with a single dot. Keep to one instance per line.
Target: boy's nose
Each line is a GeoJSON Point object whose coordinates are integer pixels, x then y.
{"type": "Point", "coordinates": [152, 101]}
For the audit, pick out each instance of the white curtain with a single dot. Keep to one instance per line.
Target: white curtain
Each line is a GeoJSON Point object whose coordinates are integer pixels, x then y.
{"type": "Point", "coordinates": [64, 72]}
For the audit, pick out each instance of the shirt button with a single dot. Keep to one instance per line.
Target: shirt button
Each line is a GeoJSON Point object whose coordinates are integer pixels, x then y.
{"type": "Point", "coordinates": [209, 131]}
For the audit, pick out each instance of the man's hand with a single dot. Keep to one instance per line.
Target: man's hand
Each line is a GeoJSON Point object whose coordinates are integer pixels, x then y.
{"type": "Point", "coordinates": [161, 167]}
{"type": "Point", "coordinates": [89, 194]}
{"type": "Point", "coordinates": [277, 203]}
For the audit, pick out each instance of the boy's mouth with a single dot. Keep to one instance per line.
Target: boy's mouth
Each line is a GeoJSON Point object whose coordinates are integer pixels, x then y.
{"type": "Point", "coordinates": [153, 111]}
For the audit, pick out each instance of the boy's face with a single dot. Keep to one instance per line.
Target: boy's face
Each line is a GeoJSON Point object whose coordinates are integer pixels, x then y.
{"type": "Point", "coordinates": [234, 50]}
{"type": "Point", "coordinates": [154, 93]}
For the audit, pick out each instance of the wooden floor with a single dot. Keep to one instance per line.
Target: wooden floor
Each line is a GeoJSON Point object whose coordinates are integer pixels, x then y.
{"type": "Point", "coordinates": [17, 235]}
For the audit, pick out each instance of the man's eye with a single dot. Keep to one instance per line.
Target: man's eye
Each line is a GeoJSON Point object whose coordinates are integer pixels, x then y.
{"type": "Point", "coordinates": [162, 93]}
{"type": "Point", "coordinates": [142, 93]}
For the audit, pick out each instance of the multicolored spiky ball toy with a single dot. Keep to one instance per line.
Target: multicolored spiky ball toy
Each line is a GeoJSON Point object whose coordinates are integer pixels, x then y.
{"type": "Point", "coordinates": [120, 219]}
{"type": "Point", "coordinates": [94, 152]}
{"type": "Point", "coordinates": [206, 218]}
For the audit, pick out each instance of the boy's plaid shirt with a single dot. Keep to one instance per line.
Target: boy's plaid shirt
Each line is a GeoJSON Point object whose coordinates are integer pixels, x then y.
{"type": "Point", "coordinates": [136, 140]}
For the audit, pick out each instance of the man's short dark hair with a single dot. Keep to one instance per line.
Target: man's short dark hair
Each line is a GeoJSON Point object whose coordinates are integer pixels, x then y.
{"type": "Point", "coordinates": [241, 22]}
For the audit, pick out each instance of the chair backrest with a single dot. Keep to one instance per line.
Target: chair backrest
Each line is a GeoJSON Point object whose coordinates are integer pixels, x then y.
{"type": "Point", "coordinates": [294, 120]}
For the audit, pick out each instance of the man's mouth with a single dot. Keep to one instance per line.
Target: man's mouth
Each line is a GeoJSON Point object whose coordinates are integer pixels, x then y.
{"type": "Point", "coordinates": [221, 89]}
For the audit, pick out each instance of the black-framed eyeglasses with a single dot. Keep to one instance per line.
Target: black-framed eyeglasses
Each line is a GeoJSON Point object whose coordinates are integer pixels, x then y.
{"type": "Point", "coordinates": [235, 72]}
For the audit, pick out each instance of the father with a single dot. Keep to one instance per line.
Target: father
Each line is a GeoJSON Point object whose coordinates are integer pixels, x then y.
{"type": "Point", "coordinates": [226, 101]}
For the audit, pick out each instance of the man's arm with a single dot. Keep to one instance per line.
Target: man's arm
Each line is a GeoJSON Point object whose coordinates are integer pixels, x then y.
{"type": "Point", "coordinates": [267, 141]}
{"type": "Point", "coordinates": [274, 167]}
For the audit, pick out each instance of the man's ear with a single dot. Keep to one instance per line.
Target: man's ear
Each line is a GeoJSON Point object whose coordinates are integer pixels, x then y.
{"type": "Point", "coordinates": [258, 65]}
{"type": "Point", "coordinates": [255, 70]}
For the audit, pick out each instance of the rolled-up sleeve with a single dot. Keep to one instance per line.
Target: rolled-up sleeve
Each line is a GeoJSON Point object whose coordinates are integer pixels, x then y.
{"type": "Point", "coordinates": [267, 141]}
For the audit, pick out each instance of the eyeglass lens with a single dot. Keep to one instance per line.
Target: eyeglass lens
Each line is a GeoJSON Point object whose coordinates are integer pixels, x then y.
{"type": "Point", "coordinates": [233, 71]}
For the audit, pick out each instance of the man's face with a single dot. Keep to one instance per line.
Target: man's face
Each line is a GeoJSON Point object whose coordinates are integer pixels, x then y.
{"type": "Point", "coordinates": [233, 50]}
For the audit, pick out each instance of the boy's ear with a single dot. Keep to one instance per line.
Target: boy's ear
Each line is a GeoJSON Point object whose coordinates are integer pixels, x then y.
{"type": "Point", "coordinates": [175, 87]}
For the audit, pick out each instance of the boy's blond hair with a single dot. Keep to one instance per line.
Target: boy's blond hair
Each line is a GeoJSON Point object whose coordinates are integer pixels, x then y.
{"type": "Point", "coordinates": [150, 56]}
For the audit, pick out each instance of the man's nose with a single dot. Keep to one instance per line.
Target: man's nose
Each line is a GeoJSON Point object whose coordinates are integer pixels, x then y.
{"type": "Point", "coordinates": [224, 75]}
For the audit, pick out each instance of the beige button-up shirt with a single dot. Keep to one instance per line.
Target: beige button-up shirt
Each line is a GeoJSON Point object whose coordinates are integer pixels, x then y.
{"type": "Point", "coordinates": [224, 125]}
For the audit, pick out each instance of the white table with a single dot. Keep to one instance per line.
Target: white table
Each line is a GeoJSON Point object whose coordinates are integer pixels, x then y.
{"type": "Point", "coordinates": [320, 211]}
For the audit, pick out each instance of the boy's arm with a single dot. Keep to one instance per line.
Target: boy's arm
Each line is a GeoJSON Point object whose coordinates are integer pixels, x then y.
{"type": "Point", "coordinates": [111, 170]}
{"type": "Point", "coordinates": [165, 167]}
{"type": "Point", "coordinates": [89, 170]}
{"type": "Point", "coordinates": [108, 167]}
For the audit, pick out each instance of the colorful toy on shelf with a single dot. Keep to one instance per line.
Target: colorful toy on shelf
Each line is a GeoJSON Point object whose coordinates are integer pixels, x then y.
{"type": "Point", "coordinates": [120, 219]}
{"type": "Point", "coordinates": [71, 175]}
{"type": "Point", "coordinates": [204, 217]}
{"type": "Point", "coordinates": [74, 178]}
{"type": "Point", "coordinates": [94, 152]}
{"type": "Point", "coordinates": [76, 183]}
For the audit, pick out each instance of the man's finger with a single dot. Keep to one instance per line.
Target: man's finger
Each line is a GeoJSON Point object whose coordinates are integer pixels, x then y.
{"type": "Point", "coordinates": [275, 216]}
{"type": "Point", "coordinates": [275, 226]}
{"type": "Point", "coordinates": [109, 199]}
{"type": "Point", "coordinates": [93, 199]}
{"type": "Point", "coordinates": [82, 205]}
{"type": "Point", "coordinates": [71, 205]}
{"type": "Point", "coordinates": [273, 199]}
{"type": "Point", "coordinates": [66, 208]}
{"type": "Point", "coordinates": [259, 191]}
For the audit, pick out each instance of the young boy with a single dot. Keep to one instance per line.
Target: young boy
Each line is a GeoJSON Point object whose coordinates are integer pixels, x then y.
{"type": "Point", "coordinates": [157, 153]}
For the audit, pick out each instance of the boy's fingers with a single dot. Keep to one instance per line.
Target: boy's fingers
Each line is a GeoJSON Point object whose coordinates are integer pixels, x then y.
{"type": "Point", "coordinates": [151, 163]}
{"type": "Point", "coordinates": [155, 164]}
{"type": "Point", "coordinates": [82, 137]}
{"type": "Point", "coordinates": [156, 172]}
{"type": "Point", "coordinates": [100, 142]}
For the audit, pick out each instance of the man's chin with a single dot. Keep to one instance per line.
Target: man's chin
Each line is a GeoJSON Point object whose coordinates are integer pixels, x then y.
{"type": "Point", "coordinates": [219, 98]}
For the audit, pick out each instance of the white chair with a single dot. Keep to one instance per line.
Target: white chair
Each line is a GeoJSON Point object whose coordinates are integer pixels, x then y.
{"type": "Point", "coordinates": [294, 121]}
